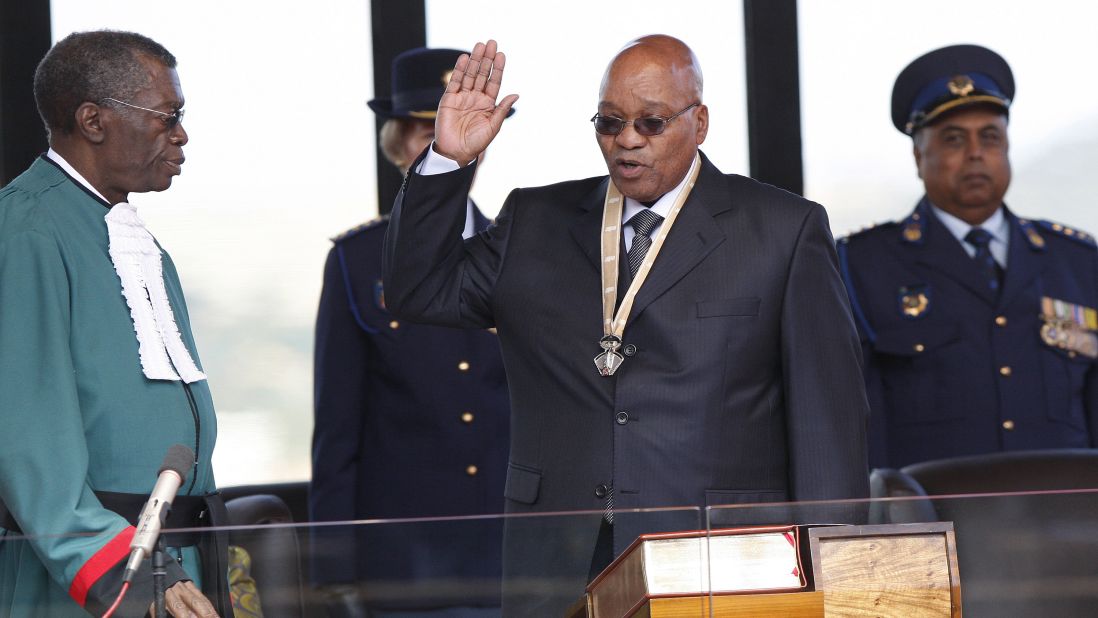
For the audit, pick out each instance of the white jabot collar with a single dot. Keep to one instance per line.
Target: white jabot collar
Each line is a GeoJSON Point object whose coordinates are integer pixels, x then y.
{"type": "Point", "coordinates": [139, 265]}
{"type": "Point", "coordinates": [138, 262]}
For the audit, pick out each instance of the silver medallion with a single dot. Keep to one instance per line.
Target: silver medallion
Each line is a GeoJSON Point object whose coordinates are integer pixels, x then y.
{"type": "Point", "coordinates": [609, 359]}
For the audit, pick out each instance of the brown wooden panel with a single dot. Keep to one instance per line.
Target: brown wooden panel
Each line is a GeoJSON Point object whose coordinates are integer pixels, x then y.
{"type": "Point", "coordinates": [902, 570]}
{"type": "Point", "coordinates": [787, 605]}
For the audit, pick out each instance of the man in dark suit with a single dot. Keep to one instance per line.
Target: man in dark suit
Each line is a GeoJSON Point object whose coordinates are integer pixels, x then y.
{"type": "Point", "coordinates": [730, 374]}
{"type": "Point", "coordinates": [978, 326]}
{"type": "Point", "coordinates": [411, 420]}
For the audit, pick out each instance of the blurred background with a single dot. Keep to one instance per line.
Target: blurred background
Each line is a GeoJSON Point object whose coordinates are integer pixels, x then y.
{"type": "Point", "coordinates": [283, 148]}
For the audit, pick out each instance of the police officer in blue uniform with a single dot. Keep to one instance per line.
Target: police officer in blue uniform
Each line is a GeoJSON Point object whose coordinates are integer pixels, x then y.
{"type": "Point", "coordinates": [410, 420]}
{"type": "Point", "coordinates": [978, 325]}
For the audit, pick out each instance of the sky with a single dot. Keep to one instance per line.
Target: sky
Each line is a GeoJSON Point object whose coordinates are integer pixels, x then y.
{"type": "Point", "coordinates": [281, 156]}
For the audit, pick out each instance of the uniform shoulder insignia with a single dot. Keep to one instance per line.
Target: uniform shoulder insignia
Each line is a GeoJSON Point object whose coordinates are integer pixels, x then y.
{"type": "Point", "coordinates": [866, 230]}
{"type": "Point", "coordinates": [1063, 231]}
{"type": "Point", "coordinates": [358, 229]}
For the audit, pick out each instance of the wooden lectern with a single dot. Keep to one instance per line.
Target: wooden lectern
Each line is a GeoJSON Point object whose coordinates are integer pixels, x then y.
{"type": "Point", "coordinates": [892, 570]}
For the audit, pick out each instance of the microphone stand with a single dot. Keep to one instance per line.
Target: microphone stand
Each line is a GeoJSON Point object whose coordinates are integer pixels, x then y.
{"type": "Point", "coordinates": [159, 571]}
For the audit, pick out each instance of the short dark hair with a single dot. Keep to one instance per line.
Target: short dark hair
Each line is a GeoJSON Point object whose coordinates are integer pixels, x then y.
{"type": "Point", "coordinates": [90, 66]}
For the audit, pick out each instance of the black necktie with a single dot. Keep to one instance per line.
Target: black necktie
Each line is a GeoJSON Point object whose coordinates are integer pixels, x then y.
{"type": "Point", "coordinates": [981, 239]}
{"type": "Point", "coordinates": [643, 223]}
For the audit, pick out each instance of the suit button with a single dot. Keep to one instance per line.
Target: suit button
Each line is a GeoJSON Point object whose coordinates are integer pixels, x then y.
{"type": "Point", "coordinates": [394, 325]}
{"type": "Point", "coordinates": [463, 366]}
{"type": "Point", "coordinates": [919, 347]}
{"type": "Point", "coordinates": [630, 350]}
{"type": "Point", "coordinates": [1000, 320]}
{"type": "Point", "coordinates": [1004, 371]}
{"type": "Point", "coordinates": [622, 418]}
{"type": "Point", "coordinates": [471, 470]}
{"type": "Point", "coordinates": [467, 417]}
{"type": "Point", "coordinates": [601, 491]}
{"type": "Point", "coordinates": [1008, 425]}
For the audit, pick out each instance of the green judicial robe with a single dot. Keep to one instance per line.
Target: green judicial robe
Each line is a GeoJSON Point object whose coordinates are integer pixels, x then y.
{"type": "Point", "coordinates": [77, 415]}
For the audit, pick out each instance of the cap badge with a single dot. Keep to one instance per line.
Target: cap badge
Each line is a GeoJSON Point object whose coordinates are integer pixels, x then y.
{"type": "Point", "coordinates": [961, 85]}
{"type": "Point", "coordinates": [446, 77]}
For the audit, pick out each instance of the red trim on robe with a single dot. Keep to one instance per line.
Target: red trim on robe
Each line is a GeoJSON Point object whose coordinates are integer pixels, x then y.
{"type": "Point", "coordinates": [102, 561]}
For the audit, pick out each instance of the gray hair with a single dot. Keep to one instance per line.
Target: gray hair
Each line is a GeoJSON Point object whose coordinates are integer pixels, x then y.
{"type": "Point", "coordinates": [89, 67]}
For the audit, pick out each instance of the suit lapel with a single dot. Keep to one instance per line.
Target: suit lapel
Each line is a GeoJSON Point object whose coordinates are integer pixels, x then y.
{"type": "Point", "coordinates": [587, 228]}
{"type": "Point", "coordinates": [694, 235]}
{"type": "Point", "coordinates": [1024, 263]}
{"type": "Point", "coordinates": [943, 253]}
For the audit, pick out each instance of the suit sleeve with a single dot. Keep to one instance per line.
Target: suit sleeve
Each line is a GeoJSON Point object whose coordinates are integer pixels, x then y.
{"type": "Point", "coordinates": [821, 357]}
{"type": "Point", "coordinates": [43, 451]}
{"type": "Point", "coordinates": [340, 402]}
{"type": "Point", "coordinates": [431, 274]}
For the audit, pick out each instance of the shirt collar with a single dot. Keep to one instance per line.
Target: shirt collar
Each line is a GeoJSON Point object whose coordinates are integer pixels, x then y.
{"type": "Point", "coordinates": [996, 225]}
{"type": "Point", "coordinates": [53, 155]}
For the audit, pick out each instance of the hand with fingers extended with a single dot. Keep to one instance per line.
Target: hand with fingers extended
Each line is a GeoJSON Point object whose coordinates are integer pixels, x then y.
{"type": "Point", "coordinates": [468, 116]}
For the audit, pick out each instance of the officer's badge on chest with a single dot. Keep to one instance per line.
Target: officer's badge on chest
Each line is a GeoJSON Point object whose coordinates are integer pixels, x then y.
{"type": "Point", "coordinates": [1069, 327]}
{"type": "Point", "coordinates": [913, 301]}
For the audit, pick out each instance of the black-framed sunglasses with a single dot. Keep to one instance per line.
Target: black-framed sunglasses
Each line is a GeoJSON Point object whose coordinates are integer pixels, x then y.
{"type": "Point", "coordinates": [169, 119]}
{"type": "Point", "coordinates": [645, 125]}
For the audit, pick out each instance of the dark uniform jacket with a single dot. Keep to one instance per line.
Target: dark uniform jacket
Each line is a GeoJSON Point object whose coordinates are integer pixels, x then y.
{"type": "Point", "coordinates": [953, 368]}
{"type": "Point", "coordinates": [411, 421]}
{"type": "Point", "coordinates": [741, 381]}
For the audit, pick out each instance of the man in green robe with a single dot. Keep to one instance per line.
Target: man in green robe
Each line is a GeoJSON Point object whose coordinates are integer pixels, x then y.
{"type": "Point", "coordinates": [99, 373]}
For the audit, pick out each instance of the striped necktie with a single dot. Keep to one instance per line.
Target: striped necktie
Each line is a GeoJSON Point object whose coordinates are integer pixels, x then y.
{"type": "Point", "coordinates": [643, 223]}
{"type": "Point", "coordinates": [981, 239]}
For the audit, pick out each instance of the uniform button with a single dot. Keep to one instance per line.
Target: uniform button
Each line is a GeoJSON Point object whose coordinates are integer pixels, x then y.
{"type": "Point", "coordinates": [601, 491]}
{"type": "Point", "coordinates": [394, 325]}
{"type": "Point", "coordinates": [467, 417]}
{"type": "Point", "coordinates": [630, 350]}
{"type": "Point", "coordinates": [1000, 320]}
{"type": "Point", "coordinates": [463, 366]}
{"type": "Point", "coordinates": [1008, 425]}
{"type": "Point", "coordinates": [471, 470]}
{"type": "Point", "coordinates": [1004, 371]}
{"type": "Point", "coordinates": [919, 347]}
{"type": "Point", "coordinates": [622, 418]}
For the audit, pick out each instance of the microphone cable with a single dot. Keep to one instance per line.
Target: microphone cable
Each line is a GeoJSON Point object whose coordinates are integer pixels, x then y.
{"type": "Point", "coordinates": [118, 600]}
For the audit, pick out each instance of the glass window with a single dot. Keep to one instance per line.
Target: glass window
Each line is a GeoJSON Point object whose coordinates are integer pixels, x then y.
{"type": "Point", "coordinates": [862, 169]}
{"type": "Point", "coordinates": [555, 62]}
{"type": "Point", "coordinates": [281, 158]}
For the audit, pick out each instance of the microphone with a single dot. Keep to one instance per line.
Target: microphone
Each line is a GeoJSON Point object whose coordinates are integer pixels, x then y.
{"type": "Point", "coordinates": [171, 475]}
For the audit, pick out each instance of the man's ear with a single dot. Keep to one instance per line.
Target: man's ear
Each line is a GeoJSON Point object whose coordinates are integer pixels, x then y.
{"type": "Point", "coordinates": [89, 122]}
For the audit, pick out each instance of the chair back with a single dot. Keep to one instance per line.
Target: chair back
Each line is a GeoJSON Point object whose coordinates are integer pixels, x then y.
{"type": "Point", "coordinates": [1018, 555]}
{"type": "Point", "coordinates": [275, 554]}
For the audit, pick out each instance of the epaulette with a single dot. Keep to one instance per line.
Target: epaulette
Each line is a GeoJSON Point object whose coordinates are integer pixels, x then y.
{"type": "Point", "coordinates": [865, 230]}
{"type": "Point", "coordinates": [1061, 230]}
{"type": "Point", "coordinates": [358, 229]}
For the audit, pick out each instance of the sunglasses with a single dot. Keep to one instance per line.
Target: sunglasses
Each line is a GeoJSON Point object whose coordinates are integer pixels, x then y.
{"type": "Point", "coordinates": [645, 125]}
{"type": "Point", "coordinates": [169, 119]}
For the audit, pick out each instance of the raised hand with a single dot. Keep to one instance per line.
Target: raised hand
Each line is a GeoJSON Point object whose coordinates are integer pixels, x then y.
{"type": "Point", "coordinates": [468, 116]}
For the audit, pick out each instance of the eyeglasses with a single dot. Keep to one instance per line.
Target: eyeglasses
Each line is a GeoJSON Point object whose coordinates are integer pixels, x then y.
{"type": "Point", "coordinates": [169, 119]}
{"type": "Point", "coordinates": [645, 125]}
